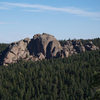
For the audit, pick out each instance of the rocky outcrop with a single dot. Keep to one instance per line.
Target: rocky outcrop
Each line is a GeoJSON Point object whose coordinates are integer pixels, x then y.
{"type": "Point", "coordinates": [44, 46]}
{"type": "Point", "coordinates": [50, 46]}
{"type": "Point", "coordinates": [38, 48]}
{"type": "Point", "coordinates": [72, 47]}
{"type": "Point", "coordinates": [17, 51]}
{"type": "Point", "coordinates": [75, 46]}
{"type": "Point", "coordinates": [90, 46]}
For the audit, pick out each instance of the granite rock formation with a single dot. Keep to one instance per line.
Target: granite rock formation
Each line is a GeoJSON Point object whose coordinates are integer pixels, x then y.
{"type": "Point", "coordinates": [44, 46]}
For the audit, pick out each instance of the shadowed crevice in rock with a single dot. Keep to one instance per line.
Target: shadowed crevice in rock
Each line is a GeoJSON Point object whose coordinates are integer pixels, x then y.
{"type": "Point", "coordinates": [48, 50]}
{"type": "Point", "coordinates": [38, 47]}
{"type": "Point", "coordinates": [30, 47]}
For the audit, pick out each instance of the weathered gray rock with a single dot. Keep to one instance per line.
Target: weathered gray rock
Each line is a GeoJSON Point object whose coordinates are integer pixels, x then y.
{"type": "Point", "coordinates": [75, 46]}
{"type": "Point", "coordinates": [63, 53]}
{"type": "Point", "coordinates": [90, 46]}
{"type": "Point", "coordinates": [40, 47]}
{"type": "Point", "coordinates": [44, 46]}
{"type": "Point", "coordinates": [78, 46]}
{"type": "Point", "coordinates": [41, 56]}
{"type": "Point", "coordinates": [17, 50]}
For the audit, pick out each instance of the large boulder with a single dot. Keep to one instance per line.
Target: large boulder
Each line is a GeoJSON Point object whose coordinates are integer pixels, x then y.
{"type": "Point", "coordinates": [78, 46]}
{"type": "Point", "coordinates": [17, 50]}
{"type": "Point", "coordinates": [41, 46]}
{"type": "Point", "coordinates": [45, 44]}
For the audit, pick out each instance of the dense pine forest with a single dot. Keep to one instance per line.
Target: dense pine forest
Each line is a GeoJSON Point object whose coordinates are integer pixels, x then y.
{"type": "Point", "coordinates": [74, 78]}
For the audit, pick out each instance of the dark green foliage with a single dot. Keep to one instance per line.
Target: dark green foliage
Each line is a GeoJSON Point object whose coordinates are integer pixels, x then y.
{"type": "Point", "coordinates": [97, 42]}
{"type": "Point", "coordinates": [54, 79]}
{"type": "Point", "coordinates": [96, 84]}
{"type": "Point", "coordinates": [3, 48]}
{"type": "Point", "coordinates": [73, 78]}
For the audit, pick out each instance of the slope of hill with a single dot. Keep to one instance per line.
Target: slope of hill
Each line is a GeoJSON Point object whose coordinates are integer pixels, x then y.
{"type": "Point", "coordinates": [74, 78]}
{"type": "Point", "coordinates": [70, 78]}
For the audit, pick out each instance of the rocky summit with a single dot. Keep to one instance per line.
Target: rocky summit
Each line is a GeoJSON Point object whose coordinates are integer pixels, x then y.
{"type": "Point", "coordinates": [44, 46]}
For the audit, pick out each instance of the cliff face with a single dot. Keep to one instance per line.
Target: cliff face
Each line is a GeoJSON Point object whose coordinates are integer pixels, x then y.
{"type": "Point", "coordinates": [44, 46]}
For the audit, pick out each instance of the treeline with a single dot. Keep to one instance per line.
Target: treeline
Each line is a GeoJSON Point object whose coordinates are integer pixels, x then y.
{"type": "Point", "coordinates": [73, 78]}
{"type": "Point", "coordinates": [3, 47]}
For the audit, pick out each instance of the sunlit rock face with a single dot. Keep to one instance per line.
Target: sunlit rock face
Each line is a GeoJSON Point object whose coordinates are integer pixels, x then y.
{"type": "Point", "coordinates": [43, 46]}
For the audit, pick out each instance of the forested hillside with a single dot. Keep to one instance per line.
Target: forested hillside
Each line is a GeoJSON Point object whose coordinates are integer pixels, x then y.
{"type": "Point", "coordinates": [55, 79]}
{"type": "Point", "coordinates": [74, 78]}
